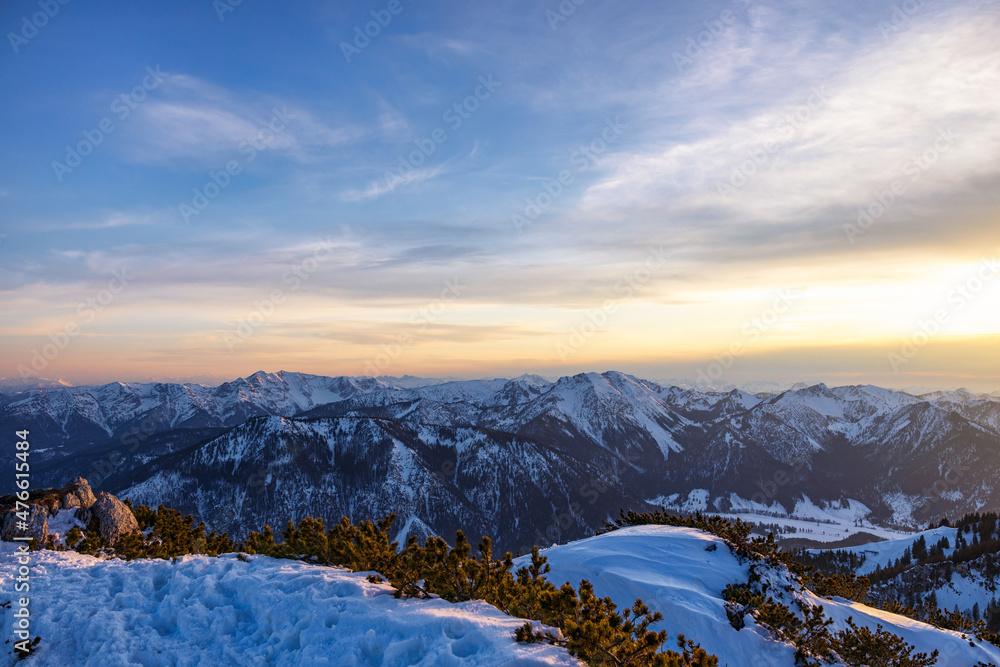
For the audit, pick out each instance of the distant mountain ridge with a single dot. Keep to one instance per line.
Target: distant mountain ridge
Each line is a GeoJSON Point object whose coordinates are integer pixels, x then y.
{"type": "Point", "coordinates": [512, 457]}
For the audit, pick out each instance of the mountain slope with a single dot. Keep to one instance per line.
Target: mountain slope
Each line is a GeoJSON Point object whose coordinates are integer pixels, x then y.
{"type": "Point", "coordinates": [435, 479]}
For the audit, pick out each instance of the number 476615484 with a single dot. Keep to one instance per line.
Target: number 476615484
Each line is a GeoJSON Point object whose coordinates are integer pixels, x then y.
{"type": "Point", "coordinates": [22, 468]}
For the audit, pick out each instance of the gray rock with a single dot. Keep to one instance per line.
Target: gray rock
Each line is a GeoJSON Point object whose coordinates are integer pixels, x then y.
{"type": "Point", "coordinates": [78, 494]}
{"type": "Point", "coordinates": [113, 516]}
{"type": "Point", "coordinates": [38, 524]}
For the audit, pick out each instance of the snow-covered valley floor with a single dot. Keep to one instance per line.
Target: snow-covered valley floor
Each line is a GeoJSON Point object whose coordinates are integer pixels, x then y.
{"type": "Point", "coordinates": [821, 532]}
{"type": "Point", "coordinates": [823, 522]}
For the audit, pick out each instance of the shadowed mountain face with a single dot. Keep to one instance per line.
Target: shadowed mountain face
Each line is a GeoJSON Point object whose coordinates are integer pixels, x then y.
{"type": "Point", "coordinates": [437, 479]}
{"type": "Point", "coordinates": [527, 460]}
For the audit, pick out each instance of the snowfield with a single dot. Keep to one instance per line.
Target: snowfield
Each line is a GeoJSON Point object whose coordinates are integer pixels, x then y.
{"type": "Point", "coordinates": [222, 611]}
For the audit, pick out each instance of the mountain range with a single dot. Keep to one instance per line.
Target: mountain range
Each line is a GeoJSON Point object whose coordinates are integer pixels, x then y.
{"type": "Point", "coordinates": [528, 460]}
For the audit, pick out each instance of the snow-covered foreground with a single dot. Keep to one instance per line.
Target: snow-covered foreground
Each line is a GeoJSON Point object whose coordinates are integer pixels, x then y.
{"type": "Point", "coordinates": [222, 611]}
{"type": "Point", "coordinates": [676, 572]}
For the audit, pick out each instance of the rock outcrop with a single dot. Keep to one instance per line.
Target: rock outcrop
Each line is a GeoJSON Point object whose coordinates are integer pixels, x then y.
{"type": "Point", "coordinates": [73, 505]}
{"type": "Point", "coordinates": [114, 518]}
{"type": "Point", "coordinates": [80, 494]}
{"type": "Point", "coordinates": [37, 524]}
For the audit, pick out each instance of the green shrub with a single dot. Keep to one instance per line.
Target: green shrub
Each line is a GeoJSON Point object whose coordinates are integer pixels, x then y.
{"type": "Point", "coordinates": [593, 630]}
{"type": "Point", "coordinates": [741, 600]}
{"type": "Point", "coordinates": [262, 543]}
{"type": "Point", "coordinates": [860, 647]}
{"type": "Point", "coordinates": [845, 585]}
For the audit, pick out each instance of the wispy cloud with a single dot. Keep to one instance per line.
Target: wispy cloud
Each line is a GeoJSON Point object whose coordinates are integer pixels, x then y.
{"type": "Point", "coordinates": [108, 221]}
{"type": "Point", "coordinates": [864, 103]}
{"type": "Point", "coordinates": [397, 178]}
{"type": "Point", "coordinates": [392, 182]}
{"type": "Point", "coordinates": [191, 119]}
{"type": "Point", "coordinates": [858, 126]}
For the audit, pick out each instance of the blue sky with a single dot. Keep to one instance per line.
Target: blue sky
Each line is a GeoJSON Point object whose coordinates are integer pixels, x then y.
{"type": "Point", "coordinates": [622, 185]}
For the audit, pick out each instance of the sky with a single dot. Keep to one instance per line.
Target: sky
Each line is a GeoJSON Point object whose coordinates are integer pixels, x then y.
{"type": "Point", "coordinates": [716, 191]}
